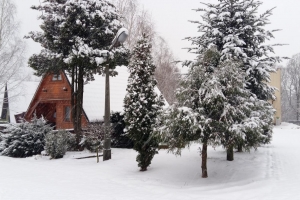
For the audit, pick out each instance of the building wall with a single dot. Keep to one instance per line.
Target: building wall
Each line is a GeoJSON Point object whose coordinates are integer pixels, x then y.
{"type": "Point", "coordinates": [61, 123]}
{"type": "Point", "coordinates": [58, 93]}
{"type": "Point", "coordinates": [276, 82]}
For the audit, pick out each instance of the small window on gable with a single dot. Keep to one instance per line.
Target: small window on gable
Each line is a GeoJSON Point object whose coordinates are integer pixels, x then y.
{"type": "Point", "coordinates": [56, 77]}
{"type": "Point", "coordinates": [67, 117]}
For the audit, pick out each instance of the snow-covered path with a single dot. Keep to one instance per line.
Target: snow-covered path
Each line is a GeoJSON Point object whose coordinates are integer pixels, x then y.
{"type": "Point", "coordinates": [284, 163]}
{"type": "Point", "coordinates": [269, 173]}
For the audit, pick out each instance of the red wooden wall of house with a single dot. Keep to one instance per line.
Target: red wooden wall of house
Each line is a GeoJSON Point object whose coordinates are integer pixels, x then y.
{"type": "Point", "coordinates": [51, 100]}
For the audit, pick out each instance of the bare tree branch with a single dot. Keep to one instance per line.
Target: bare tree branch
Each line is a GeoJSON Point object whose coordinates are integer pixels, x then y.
{"type": "Point", "coordinates": [12, 50]}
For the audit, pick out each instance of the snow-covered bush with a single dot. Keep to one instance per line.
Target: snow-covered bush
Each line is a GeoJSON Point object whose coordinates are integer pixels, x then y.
{"type": "Point", "coordinates": [93, 136]}
{"type": "Point", "coordinates": [118, 138]}
{"type": "Point", "coordinates": [72, 145]}
{"type": "Point", "coordinates": [25, 139]}
{"type": "Point", "coordinates": [57, 143]}
{"type": "Point", "coordinates": [1, 143]}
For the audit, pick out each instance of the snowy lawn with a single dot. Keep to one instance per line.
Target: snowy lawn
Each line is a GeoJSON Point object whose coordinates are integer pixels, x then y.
{"type": "Point", "coordinates": [271, 172]}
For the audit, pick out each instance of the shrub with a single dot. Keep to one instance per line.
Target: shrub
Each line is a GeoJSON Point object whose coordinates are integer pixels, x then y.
{"type": "Point", "coordinates": [71, 140]}
{"type": "Point", "coordinates": [119, 138]}
{"type": "Point", "coordinates": [93, 136]}
{"type": "Point", "coordinates": [25, 139]}
{"type": "Point", "coordinates": [57, 143]}
{"type": "Point", "coordinates": [2, 144]}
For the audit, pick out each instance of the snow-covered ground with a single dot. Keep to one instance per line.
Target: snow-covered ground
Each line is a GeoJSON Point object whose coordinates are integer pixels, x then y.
{"type": "Point", "coordinates": [270, 173]}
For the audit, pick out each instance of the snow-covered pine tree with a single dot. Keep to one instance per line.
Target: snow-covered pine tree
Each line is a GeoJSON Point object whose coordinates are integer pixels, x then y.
{"type": "Point", "coordinates": [141, 104]}
{"type": "Point", "coordinates": [213, 107]}
{"type": "Point", "coordinates": [75, 35]}
{"type": "Point", "coordinates": [238, 32]}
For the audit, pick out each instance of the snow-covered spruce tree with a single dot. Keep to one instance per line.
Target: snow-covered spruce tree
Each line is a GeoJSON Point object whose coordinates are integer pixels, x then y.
{"type": "Point", "coordinates": [213, 107]}
{"type": "Point", "coordinates": [238, 32]}
{"type": "Point", "coordinates": [141, 104]}
{"type": "Point", "coordinates": [25, 139]}
{"type": "Point", "coordinates": [75, 35]}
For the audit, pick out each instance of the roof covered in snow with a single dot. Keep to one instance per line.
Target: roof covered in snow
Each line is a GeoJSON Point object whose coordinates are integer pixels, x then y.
{"type": "Point", "coordinates": [93, 100]}
{"type": "Point", "coordinates": [94, 94]}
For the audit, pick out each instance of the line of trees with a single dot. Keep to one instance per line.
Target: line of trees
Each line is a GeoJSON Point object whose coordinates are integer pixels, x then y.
{"type": "Point", "coordinates": [290, 90]}
{"type": "Point", "coordinates": [222, 100]}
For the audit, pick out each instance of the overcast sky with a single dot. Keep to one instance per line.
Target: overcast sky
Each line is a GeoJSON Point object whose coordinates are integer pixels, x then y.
{"type": "Point", "coordinates": [172, 17]}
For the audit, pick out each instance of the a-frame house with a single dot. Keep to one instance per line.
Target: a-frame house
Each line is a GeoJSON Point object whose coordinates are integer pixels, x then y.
{"type": "Point", "coordinates": [52, 100]}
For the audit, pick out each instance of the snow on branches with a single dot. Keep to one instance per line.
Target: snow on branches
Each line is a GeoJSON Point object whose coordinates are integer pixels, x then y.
{"type": "Point", "coordinates": [239, 34]}
{"type": "Point", "coordinates": [141, 104]}
{"type": "Point", "coordinates": [215, 108]}
{"type": "Point", "coordinates": [77, 30]}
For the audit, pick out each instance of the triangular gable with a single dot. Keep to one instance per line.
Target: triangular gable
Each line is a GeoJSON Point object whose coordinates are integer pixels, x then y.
{"type": "Point", "coordinates": [51, 90]}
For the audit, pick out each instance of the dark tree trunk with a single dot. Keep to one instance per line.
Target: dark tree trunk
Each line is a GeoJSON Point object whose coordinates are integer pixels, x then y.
{"type": "Point", "coordinates": [204, 160]}
{"type": "Point", "coordinates": [76, 101]}
{"type": "Point", "coordinates": [79, 101]}
{"type": "Point", "coordinates": [73, 97]}
{"type": "Point", "coordinates": [297, 110]}
{"type": "Point", "coordinates": [143, 169]}
{"type": "Point", "coordinates": [230, 153]}
{"type": "Point", "coordinates": [240, 148]}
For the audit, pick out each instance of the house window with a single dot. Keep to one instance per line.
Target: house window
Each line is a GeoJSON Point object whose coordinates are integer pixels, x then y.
{"type": "Point", "coordinates": [67, 114]}
{"type": "Point", "coordinates": [56, 77]}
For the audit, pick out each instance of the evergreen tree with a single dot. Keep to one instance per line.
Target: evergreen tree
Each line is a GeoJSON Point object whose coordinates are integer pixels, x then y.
{"type": "Point", "coordinates": [142, 104]}
{"type": "Point", "coordinates": [118, 137]}
{"type": "Point", "coordinates": [239, 34]}
{"type": "Point", "coordinates": [75, 36]}
{"type": "Point", "coordinates": [213, 107]}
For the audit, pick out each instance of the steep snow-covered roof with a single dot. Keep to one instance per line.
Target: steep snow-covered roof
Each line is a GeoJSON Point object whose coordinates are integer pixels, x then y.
{"type": "Point", "coordinates": [94, 94]}
{"type": "Point", "coordinates": [93, 97]}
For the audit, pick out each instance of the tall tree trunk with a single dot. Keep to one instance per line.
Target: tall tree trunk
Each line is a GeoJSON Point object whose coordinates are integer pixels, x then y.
{"type": "Point", "coordinates": [297, 117]}
{"type": "Point", "coordinates": [204, 160]}
{"type": "Point", "coordinates": [240, 148]}
{"type": "Point", "coordinates": [73, 103]}
{"type": "Point", "coordinates": [79, 102]}
{"type": "Point", "coordinates": [230, 153]}
{"type": "Point", "coordinates": [76, 101]}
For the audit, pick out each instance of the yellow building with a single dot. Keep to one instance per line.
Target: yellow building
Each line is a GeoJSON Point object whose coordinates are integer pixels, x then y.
{"type": "Point", "coordinates": [276, 82]}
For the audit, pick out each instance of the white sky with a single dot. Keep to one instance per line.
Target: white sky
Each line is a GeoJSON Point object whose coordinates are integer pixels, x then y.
{"type": "Point", "coordinates": [171, 20]}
